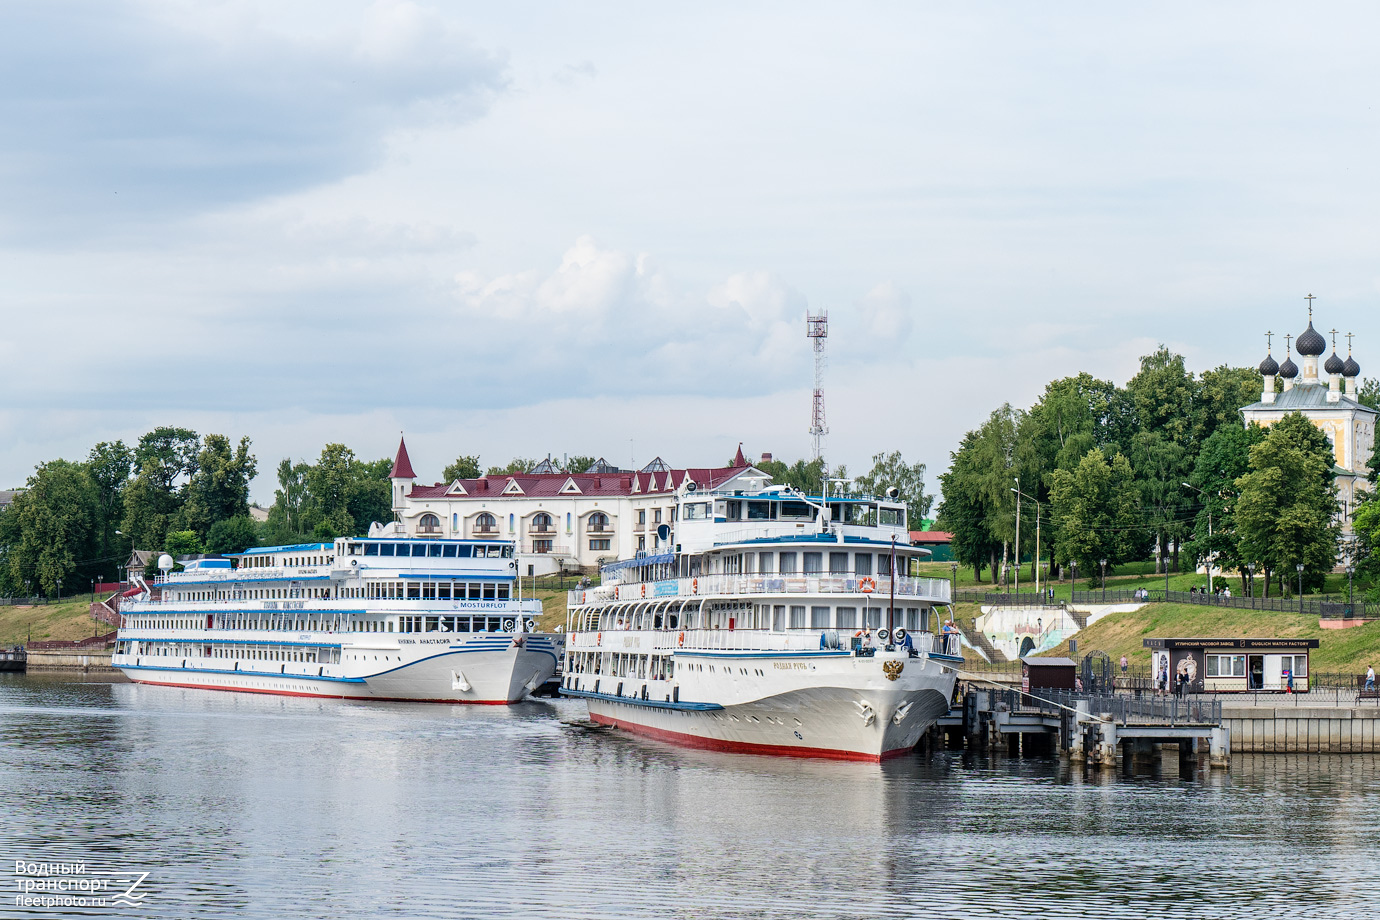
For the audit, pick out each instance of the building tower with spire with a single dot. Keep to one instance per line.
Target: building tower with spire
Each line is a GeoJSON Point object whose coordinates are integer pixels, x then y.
{"type": "Point", "coordinates": [817, 330]}
{"type": "Point", "coordinates": [1329, 402]}
{"type": "Point", "coordinates": [401, 476]}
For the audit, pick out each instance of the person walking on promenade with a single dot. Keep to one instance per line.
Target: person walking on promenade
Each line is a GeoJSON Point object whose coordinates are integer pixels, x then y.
{"type": "Point", "coordinates": [1123, 665]}
{"type": "Point", "coordinates": [1370, 677]}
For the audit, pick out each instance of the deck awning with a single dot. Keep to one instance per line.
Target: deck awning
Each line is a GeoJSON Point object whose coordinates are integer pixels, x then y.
{"type": "Point", "coordinates": [658, 559]}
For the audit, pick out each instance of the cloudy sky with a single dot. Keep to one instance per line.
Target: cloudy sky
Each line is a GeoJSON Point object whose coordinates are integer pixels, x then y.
{"type": "Point", "coordinates": [520, 228]}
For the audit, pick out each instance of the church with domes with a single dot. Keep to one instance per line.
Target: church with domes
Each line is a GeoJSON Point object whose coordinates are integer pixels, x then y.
{"type": "Point", "coordinates": [1327, 399]}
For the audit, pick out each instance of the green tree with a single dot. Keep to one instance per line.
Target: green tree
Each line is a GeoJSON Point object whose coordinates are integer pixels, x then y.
{"type": "Point", "coordinates": [369, 495]}
{"type": "Point", "coordinates": [49, 538]}
{"type": "Point", "coordinates": [1094, 512]}
{"type": "Point", "coordinates": [806, 476]}
{"type": "Point", "coordinates": [1162, 392]}
{"type": "Point", "coordinates": [110, 466]}
{"type": "Point", "coordinates": [965, 511]}
{"type": "Point", "coordinates": [1225, 457]}
{"type": "Point", "coordinates": [1368, 393]}
{"type": "Point", "coordinates": [1221, 392]}
{"type": "Point", "coordinates": [890, 470]}
{"type": "Point", "coordinates": [233, 535]}
{"type": "Point", "coordinates": [1161, 467]}
{"type": "Point", "coordinates": [464, 467]}
{"type": "Point", "coordinates": [163, 460]}
{"type": "Point", "coordinates": [219, 488]}
{"type": "Point", "coordinates": [285, 518]}
{"type": "Point", "coordinates": [1285, 512]}
{"type": "Point", "coordinates": [324, 532]}
{"type": "Point", "coordinates": [328, 483]}
{"type": "Point", "coordinates": [182, 543]}
{"type": "Point", "coordinates": [515, 465]}
{"type": "Point", "coordinates": [576, 464]}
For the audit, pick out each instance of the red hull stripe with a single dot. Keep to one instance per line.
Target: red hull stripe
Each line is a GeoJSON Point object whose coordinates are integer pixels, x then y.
{"type": "Point", "coordinates": [320, 696]}
{"type": "Point", "coordinates": [742, 747]}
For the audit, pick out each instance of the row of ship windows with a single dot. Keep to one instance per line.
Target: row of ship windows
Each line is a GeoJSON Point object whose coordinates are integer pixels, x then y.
{"type": "Point", "coordinates": [618, 664]}
{"type": "Point", "coordinates": [271, 562]}
{"type": "Point", "coordinates": [431, 550]}
{"type": "Point", "coordinates": [792, 563]}
{"type": "Point", "coordinates": [778, 617]}
{"type": "Point", "coordinates": [241, 594]}
{"type": "Point", "coordinates": [439, 590]}
{"type": "Point", "coordinates": [237, 653]}
{"type": "Point", "coordinates": [453, 624]}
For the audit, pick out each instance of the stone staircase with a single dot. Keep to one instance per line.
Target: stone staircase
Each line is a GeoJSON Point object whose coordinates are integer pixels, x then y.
{"type": "Point", "coordinates": [1080, 618]}
{"type": "Point", "coordinates": [978, 641]}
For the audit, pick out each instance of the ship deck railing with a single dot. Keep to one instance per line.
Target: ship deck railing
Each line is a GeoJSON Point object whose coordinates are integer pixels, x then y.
{"type": "Point", "coordinates": [763, 640]}
{"type": "Point", "coordinates": [928, 590]}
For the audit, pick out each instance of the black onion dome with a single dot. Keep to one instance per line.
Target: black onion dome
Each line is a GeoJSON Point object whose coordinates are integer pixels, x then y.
{"type": "Point", "coordinates": [1288, 368]}
{"type": "Point", "coordinates": [1268, 367]}
{"type": "Point", "coordinates": [1351, 368]}
{"type": "Point", "coordinates": [1334, 364]}
{"type": "Point", "coordinates": [1311, 342]}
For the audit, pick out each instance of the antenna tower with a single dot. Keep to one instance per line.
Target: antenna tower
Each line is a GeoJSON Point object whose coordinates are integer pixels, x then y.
{"type": "Point", "coordinates": [817, 329]}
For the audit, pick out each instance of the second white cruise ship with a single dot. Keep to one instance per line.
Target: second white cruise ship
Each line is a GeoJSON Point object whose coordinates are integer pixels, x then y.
{"type": "Point", "coordinates": [388, 617]}
{"type": "Point", "coordinates": [776, 623]}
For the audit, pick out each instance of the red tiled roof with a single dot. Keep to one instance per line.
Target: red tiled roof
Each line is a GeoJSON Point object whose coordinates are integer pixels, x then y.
{"type": "Point", "coordinates": [549, 485]}
{"type": "Point", "coordinates": [402, 466]}
{"type": "Point", "coordinates": [930, 536]}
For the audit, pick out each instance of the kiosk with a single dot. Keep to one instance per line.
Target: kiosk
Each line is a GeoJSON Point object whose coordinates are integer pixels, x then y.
{"type": "Point", "coordinates": [1233, 665]}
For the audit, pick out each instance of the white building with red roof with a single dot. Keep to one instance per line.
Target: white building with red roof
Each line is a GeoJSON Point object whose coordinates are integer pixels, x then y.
{"type": "Point", "coordinates": [560, 521]}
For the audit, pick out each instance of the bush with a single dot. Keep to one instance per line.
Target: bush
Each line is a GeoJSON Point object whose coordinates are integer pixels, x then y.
{"type": "Point", "coordinates": [232, 535]}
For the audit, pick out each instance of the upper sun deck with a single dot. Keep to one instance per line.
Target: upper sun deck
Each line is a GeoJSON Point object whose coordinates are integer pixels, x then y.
{"type": "Point", "coordinates": [720, 518]}
{"type": "Point", "coordinates": [347, 557]}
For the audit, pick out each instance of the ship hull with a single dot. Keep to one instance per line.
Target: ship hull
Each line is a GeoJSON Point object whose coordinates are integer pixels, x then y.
{"type": "Point", "coordinates": [494, 673]}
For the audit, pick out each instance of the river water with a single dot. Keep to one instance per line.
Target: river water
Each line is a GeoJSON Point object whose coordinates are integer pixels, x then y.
{"type": "Point", "coordinates": [264, 807]}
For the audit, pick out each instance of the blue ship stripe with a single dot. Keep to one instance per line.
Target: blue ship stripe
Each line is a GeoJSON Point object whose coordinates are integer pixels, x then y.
{"type": "Point", "coordinates": [151, 667]}
{"type": "Point", "coordinates": [653, 704]}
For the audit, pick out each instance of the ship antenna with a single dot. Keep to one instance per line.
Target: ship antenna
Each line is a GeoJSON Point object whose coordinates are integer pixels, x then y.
{"type": "Point", "coordinates": [817, 331]}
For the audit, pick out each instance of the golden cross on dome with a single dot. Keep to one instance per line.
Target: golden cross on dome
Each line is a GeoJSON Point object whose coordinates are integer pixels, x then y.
{"type": "Point", "coordinates": [1269, 341]}
{"type": "Point", "coordinates": [1348, 343]}
{"type": "Point", "coordinates": [1310, 298]}
{"type": "Point", "coordinates": [1334, 339]}
{"type": "Point", "coordinates": [1287, 337]}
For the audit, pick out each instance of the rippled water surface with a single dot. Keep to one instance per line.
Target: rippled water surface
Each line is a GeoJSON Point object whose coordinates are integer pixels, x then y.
{"type": "Point", "coordinates": [250, 806]}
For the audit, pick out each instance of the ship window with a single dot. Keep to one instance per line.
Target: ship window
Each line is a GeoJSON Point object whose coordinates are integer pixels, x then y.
{"type": "Point", "coordinates": [431, 624]}
{"type": "Point", "coordinates": [758, 511]}
{"type": "Point", "coordinates": [474, 591]}
{"type": "Point", "coordinates": [488, 590]}
{"type": "Point", "coordinates": [778, 618]}
{"type": "Point", "coordinates": [503, 592]}
{"type": "Point", "coordinates": [797, 617]}
{"type": "Point", "coordinates": [838, 563]}
{"type": "Point", "coordinates": [819, 617]}
{"type": "Point", "coordinates": [697, 511]}
{"type": "Point", "coordinates": [414, 591]}
{"type": "Point", "coordinates": [434, 550]}
{"type": "Point", "coordinates": [448, 552]}
{"type": "Point", "coordinates": [788, 563]}
{"type": "Point", "coordinates": [443, 591]}
{"type": "Point", "coordinates": [795, 510]}
{"type": "Point", "coordinates": [429, 590]}
{"type": "Point", "coordinates": [385, 549]}
{"type": "Point", "coordinates": [891, 516]}
{"type": "Point", "coordinates": [464, 552]}
{"type": "Point", "coordinates": [847, 617]}
{"type": "Point", "coordinates": [813, 563]}
{"type": "Point", "coordinates": [872, 616]}
{"type": "Point", "coordinates": [765, 561]}
{"type": "Point", "coordinates": [883, 564]}
{"type": "Point", "coordinates": [862, 564]}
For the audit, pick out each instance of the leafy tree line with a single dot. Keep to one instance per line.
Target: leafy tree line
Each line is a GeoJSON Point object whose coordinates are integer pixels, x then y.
{"type": "Point", "coordinates": [1108, 467]}
{"type": "Point", "coordinates": [76, 522]}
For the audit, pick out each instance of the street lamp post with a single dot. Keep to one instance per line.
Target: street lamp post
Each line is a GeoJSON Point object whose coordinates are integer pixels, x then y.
{"type": "Point", "coordinates": [1017, 490]}
{"type": "Point", "coordinates": [1350, 594]}
{"type": "Point", "coordinates": [1208, 508]}
{"type": "Point", "coordinates": [1299, 567]}
{"type": "Point", "coordinates": [953, 589]}
{"type": "Point", "coordinates": [1073, 577]}
{"type": "Point", "coordinates": [1250, 581]}
{"type": "Point", "coordinates": [1104, 581]}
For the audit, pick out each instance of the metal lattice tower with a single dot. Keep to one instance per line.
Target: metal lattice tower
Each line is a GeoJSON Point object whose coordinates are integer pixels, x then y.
{"type": "Point", "coordinates": [817, 329]}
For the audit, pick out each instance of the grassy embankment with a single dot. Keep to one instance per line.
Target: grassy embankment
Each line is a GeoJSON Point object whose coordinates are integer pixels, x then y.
{"type": "Point", "coordinates": [70, 619]}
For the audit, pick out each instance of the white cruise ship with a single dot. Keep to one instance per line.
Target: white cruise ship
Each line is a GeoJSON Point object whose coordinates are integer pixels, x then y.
{"type": "Point", "coordinates": [778, 624]}
{"type": "Point", "coordinates": [388, 617]}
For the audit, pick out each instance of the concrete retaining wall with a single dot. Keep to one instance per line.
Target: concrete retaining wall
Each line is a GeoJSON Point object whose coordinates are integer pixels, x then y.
{"type": "Point", "coordinates": [1328, 730]}
{"type": "Point", "coordinates": [71, 660]}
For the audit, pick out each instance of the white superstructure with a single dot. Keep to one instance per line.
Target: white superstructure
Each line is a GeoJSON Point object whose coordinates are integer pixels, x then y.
{"type": "Point", "coordinates": [385, 617]}
{"type": "Point", "coordinates": [780, 623]}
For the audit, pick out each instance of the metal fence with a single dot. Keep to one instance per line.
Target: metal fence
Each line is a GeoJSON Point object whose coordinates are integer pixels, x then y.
{"type": "Point", "coordinates": [1011, 599]}
{"type": "Point", "coordinates": [1325, 606]}
{"type": "Point", "coordinates": [1124, 710]}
